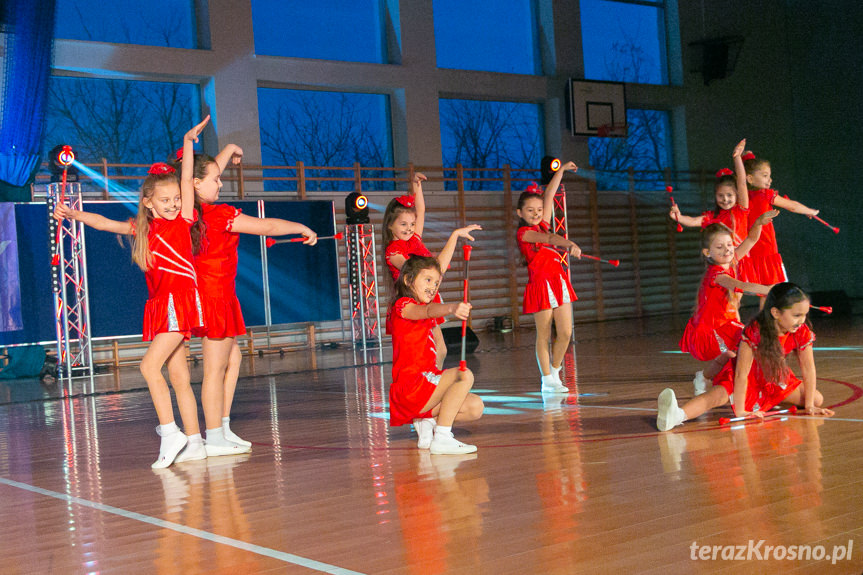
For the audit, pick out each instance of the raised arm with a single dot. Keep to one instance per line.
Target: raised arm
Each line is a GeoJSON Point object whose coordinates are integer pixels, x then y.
{"type": "Point", "coordinates": [740, 173]}
{"type": "Point", "coordinates": [551, 190]}
{"type": "Point", "coordinates": [793, 206]}
{"type": "Point", "coordinates": [244, 224]}
{"type": "Point", "coordinates": [688, 221]}
{"type": "Point", "coordinates": [445, 256]}
{"type": "Point", "coordinates": [230, 153]}
{"type": "Point", "coordinates": [416, 312]}
{"type": "Point", "coordinates": [187, 170]}
{"type": "Point", "coordinates": [95, 221]}
{"type": "Point", "coordinates": [419, 202]}
{"type": "Point", "coordinates": [754, 233]}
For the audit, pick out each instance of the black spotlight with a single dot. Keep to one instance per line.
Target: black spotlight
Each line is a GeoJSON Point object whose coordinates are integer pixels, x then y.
{"type": "Point", "coordinates": [357, 208]}
{"type": "Point", "coordinates": [62, 158]}
{"type": "Point", "coordinates": [547, 168]}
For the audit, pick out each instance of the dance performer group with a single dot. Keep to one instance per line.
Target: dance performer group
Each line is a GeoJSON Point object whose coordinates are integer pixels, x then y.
{"type": "Point", "coordinates": [186, 244]}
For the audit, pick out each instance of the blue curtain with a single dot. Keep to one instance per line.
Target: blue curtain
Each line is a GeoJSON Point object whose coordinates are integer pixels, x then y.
{"type": "Point", "coordinates": [29, 25]}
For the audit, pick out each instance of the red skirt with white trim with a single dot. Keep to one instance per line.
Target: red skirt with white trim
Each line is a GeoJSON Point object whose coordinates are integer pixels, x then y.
{"type": "Point", "coordinates": [178, 311]}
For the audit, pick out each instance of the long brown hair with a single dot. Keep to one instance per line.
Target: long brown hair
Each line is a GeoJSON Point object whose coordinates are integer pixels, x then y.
{"type": "Point", "coordinates": [412, 268]}
{"type": "Point", "coordinates": [769, 353]}
{"type": "Point", "coordinates": [394, 210]}
{"type": "Point", "coordinates": [141, 246]}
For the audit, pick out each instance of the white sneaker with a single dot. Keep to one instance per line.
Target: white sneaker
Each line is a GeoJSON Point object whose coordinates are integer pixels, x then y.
{"type": "Point", "coordinates": [171, 445]}
{"type": "Point", "coordinates": [446, 444]}
{"type": "Point", "coordinates": [232, 449]}
{"type": "Point", "coordinates": [193, 451]}
{"type": "Point", "coordinates": [669, 414]}
{"type": "Point", "coordinates": [234, 438]}
{"type": "Point", "coordinates": [699, 384]}
{"type": "Point", "coordinates": [550, 384]}
{"type": "Point", "coordinates": [425, 431]}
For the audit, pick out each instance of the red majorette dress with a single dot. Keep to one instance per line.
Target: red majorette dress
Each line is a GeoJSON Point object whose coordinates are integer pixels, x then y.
{"type": "Point", "coordinates": [715, 326]}
{"type": "Point", "coordinates": [760, 393]}
{"type": "Point", "coordinates": [406, 249]}
{"type": "Point", "coordinates": [548, 284]}
{"type": "Point", "coordinates": [763, 265]}
{"type": "Point", "coordinates": [173, 303]}
{"type": "Point", "coordinates": [736, 219]}
{"type": "Point", "coordinates": [415, 372]}
{"type": "Point", "coordinates": [216, 264]}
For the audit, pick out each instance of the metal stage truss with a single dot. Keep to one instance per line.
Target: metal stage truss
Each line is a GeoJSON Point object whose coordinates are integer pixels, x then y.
{"type": "Point", "coordinates": [362, 275]}
{"type": "Point", "coordinates": [69, 283]}
{"type": "Point", "coordinates": [560, 226]}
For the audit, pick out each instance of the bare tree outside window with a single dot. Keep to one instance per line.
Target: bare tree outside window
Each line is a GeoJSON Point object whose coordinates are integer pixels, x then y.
{"type": "Point", "coordinates": [489, 135]}
{"type": "Point", "coordinates": [324, 129]}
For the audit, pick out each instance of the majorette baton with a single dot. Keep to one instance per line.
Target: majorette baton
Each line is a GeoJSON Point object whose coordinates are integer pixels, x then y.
{"type": "Point", "coordinates": [669, 189]}
{"type": "Point", "coordinates": [272, 241]}
{"type": "Point", "coordinates": [462, 366]}
{"type": "Point", "coordinates": [825, 309]}
{"type": "Point", "coordinates": [615, 263]}
{"type": "Point", "coordinates": [65, 159]}
{"type": "Point", "coordinates": [790, 411]}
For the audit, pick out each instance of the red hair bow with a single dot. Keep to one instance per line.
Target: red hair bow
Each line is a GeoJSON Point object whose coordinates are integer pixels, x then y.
{"type": "Point", "coordinates": [747, 156]}
{"type": "Point", "coordinates": [724, 172]}
{"type": "Point", "coordinates": [160, 168]}
{"type": "Point", "coordinates": [406, 201]}
{"type": "Point", "coordinates": [533, 188]}
{"type": "Point", "coordinates": [179, 154]}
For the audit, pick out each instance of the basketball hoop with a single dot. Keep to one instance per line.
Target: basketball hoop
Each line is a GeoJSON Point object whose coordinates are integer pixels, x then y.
{"type": "Point", "coordinates": [611, 130]}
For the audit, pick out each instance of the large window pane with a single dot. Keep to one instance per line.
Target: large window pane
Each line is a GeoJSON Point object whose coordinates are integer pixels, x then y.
{"type": "Point", "coordinates": [324, 129]}
{"type": "Point", "coordinates": [152, 23]}
{"type": "Point", "coordinates": [646, 149]}
{"type": "Point", "coordinates": [495, 36]}
{"type": "Point", "coordinates": [624, 41]}
{"type": "Point", "coordinates": [325, 29]}
{"type": "Point", "coordinates": [484, 134]}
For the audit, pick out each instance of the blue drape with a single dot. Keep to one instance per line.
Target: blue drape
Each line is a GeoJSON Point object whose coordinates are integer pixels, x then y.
{"type": "Point", "coordinates": [29, 27]}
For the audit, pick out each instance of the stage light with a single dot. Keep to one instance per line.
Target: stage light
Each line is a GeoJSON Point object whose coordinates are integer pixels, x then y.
{"type": "Point", "coordinates": [547, 167]}
{"type": "Point", "coordinates": [61, 159]}
{"type": "Point", "coordinates": [357, 208]}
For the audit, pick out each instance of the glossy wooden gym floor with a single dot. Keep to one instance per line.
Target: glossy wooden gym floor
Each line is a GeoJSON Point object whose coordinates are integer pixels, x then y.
{"type": "Point", "coordinates": [584, 484]}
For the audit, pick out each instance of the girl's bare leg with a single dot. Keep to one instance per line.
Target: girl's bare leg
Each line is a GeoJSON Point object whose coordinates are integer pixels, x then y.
{"type": "Point", "coordinates": [543, 334]}
{"type": "Point", "coordinates": [161, 348]}
{"type": "Point", "coordinates": [563, 332]}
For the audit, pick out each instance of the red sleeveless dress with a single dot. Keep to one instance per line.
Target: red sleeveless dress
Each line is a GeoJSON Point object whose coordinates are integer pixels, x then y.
{"type": "Point", "coordinates": [548, 285]}
{"type": "Point", "coordinates": [216, 264]}
{"type": "Point", "coordinates": [716, 321]}
{"type": "Point", "coordinates": [763, 264]}
{"type": "Point", "coordinates": [415, 372]}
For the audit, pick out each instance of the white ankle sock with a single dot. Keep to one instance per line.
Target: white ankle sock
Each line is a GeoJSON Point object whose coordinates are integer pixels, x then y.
{"type": "Point", "coordinates": [446, 430]}
{"type": "Point", "coordinates": [167, 429]}
{"type": "Point", "coordinates": [216, 436]}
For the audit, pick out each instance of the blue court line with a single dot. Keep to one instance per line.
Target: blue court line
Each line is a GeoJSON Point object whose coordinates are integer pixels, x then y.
{"type": "Point", "coordinates": [265, 551]}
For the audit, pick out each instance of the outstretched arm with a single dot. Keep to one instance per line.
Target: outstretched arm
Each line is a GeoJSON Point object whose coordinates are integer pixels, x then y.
{"type": "Point", "coordinates": [244, 224]}
{"type": "Point", "coordinates": [732, 284]}
{"type": "Point", "coordinates": [230, 153]}
{"type": "Point", "coordinates": [793, 206]}
{"type": "Point", "coordinates": [415, 312]}
{"type": "Point", "coordinates": [551, 190]}
{"type": "Point", "coordinates": [754, 233]}
{"type": "Point", "coordinates": [95, 221]}
{"type": "Point", "coordinates": [187, 177]}
{"type": "Point", "coordinates": [740, 173]}
{"type": "Point", "coordinates": [445, 256]}
{"type": "Point", "coordinates": [533, 237]}
{"type": "Point", "coordinates": [419, 202]}
{"type": "Point", "coordinates": [806, 360]}
{"type": "Point", "coordinates": [688, 221]}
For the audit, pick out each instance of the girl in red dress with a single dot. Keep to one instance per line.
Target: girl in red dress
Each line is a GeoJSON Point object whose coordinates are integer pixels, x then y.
{"type": "Point", "coordinates": [215, 239]}
{"type": "Point", "coordinates": [713, 331]}
{"type": "Point", "coordinates": [420, 391]}
{"type": "Point", "coordinates": [548, 294]}
{"type": "Point", "coordinates": [764, 264]}
{"type": "Point", "coordinates": [404, 220]}
{"type": "Point", "coordinates": [732, 202]}
{"type": "Point", "coordinates": [163, 250]}
{"type": "Point", "coordinates": [759, 378]}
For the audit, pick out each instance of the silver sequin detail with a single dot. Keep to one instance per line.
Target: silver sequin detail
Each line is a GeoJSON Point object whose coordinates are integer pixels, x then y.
{"type": "Point", "coordinates": [200, 309]}
{"type": "Point", "coordinates": [564, 290]}
{"type": "Point", "coordinates": [173, 324]}
{"type": "Point", "coordinates": [431, 377]}
{"type": "Point", "coordinates": [719, 340]}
